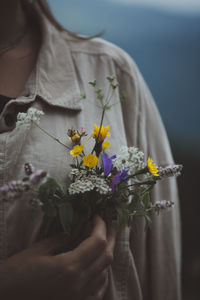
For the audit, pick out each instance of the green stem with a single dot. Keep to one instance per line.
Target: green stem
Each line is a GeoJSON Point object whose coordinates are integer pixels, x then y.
{"type": "Point", "coordinates": [102, 117]}
{"type": "Point", "coordinates": [139, 172]}
{"type": "Point", "coordinates": [33, 190]}
{"type": "Point", "coordinates": [148, 189]}
{"type": "Point", "coordinates": [51, 136]}
{"type": "Point", "coordinates": [134, 213]}
{"type": "Point", "coordinates": [109, 98]}
{"type": "Point", "coordinates": [138, 183]}
{"type": "Point", "coordinates": [142, 171]}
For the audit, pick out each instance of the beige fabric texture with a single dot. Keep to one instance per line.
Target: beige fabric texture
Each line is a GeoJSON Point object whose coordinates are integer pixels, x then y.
{"type": "Point", "coordinates": [146, 264]}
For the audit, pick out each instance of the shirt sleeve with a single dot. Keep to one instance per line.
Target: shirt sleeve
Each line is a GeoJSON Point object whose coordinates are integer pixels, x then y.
{"type": "Point", "coordinates": [157, 252]}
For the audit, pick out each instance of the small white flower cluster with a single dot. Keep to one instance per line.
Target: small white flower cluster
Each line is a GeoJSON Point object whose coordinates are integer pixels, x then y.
{"type": "Point", "coordinates": [32, 115]}
{"type": "Point", "coordinates": [80, 186]}
{"type": "Point", "coordinates": [129, 158]}
{"type": "Point", "coordinates": [100, 184]}
{"type": "Point", "coordinates": [89, 183]}
{"type": "Point", "coordinates": [77, 174]}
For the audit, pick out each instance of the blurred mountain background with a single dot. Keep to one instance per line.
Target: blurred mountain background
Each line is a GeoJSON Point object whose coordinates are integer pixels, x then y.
{"type": "Point", "coordinates": [165, 44]}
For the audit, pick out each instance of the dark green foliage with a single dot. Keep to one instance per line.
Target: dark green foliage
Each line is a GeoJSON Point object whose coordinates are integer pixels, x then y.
{"type": "Point", "coordinates": [66, 214]}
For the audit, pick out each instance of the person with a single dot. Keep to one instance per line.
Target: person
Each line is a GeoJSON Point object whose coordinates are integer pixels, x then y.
{"type": "Point", "coordinates": [44, 66]}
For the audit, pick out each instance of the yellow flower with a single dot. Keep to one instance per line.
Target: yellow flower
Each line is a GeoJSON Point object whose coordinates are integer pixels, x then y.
{"type": "Point", "coordinates": [152, 167]}
{"type": "Point", "coordinates": [76, 150]}
{"type": "Point", "coordinates": [90, 160]}
{"type": "Point", "coordinates": [75, 138]}
{"type": "Point", "coordinates": [103, 132]}
{"type": "Point", "coordinates": [105, 145]}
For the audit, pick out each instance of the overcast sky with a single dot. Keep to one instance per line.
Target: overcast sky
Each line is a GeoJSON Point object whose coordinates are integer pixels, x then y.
{"type": "Point", "coordinates": [180, 5]}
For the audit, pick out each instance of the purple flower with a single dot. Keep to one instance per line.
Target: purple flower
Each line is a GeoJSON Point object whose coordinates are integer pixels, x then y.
{"type": "Point", "coordinates": [14, 189]}
{"type": "Point", "coordinates": [118, 178]}
{"type": "Point", "coordinates": [107, 163]}
{"type": "Point", "coordinates": [124, 174]}
{"type": "Point", "coordinates": [164, 204]}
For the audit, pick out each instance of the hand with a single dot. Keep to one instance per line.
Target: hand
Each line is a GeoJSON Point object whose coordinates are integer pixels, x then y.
{"type": "Point", "coordinates": [37, 274]}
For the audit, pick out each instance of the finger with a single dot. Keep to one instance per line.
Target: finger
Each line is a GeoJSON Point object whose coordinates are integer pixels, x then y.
{"type": "Point", "coordinates": [106, 257]}
{"type": "Point", "coordinates": [53, 245]}
{"type": "Point", "coordinates": [92, 247]}
{"type": "Point", "coordinates": [102, 262]}
{"type": "Point", "coordinates": [99, 226]}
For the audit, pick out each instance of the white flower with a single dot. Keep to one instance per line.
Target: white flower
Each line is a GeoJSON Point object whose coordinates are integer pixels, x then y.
{"type": "Point", "coordinates": [129, 158]}
{"type": "Point", "coordinates": [32, 115]}
{"type": "Point", "coordinates": [100, 184]}
{"type": "Point", "coordinates": [80, 186]}
{"type": "Point", "coordinates": [77, 174]}
{"type": "Point", "coordinates": [87, 183]}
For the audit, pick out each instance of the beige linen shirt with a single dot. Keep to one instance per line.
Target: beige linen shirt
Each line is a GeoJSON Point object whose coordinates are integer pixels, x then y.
{"type": "Point", "coordinates": [146, 264]}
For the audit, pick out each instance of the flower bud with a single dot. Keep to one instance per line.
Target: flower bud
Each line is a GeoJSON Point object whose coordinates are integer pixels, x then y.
{"type": "Point", "coordinates": [28, 168]}
{"type": "Point", "coordinates": [164, 204]}
{"type": "Point", "coordinates": [37, 176]}
{"type": "Point", "coordinates": [171, 170]}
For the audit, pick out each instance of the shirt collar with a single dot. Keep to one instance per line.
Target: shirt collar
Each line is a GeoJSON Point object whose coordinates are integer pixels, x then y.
{"type": "Point", "coordinates": [54, 77]}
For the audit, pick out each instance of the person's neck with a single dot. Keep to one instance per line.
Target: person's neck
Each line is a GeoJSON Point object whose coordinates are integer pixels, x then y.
{"type": "Point", "coordinates": [12, 20]}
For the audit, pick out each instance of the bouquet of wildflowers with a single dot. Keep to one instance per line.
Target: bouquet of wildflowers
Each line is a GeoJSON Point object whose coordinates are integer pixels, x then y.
{"type": "Point", "coordinates": [116, 187]}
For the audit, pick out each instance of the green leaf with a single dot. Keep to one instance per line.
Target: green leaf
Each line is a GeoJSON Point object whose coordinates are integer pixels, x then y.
{"type": "Point", "coordinates": [107, 107]}
{"type": "Point", "coordinates": [66, 215]}
{"type": "Point", "coordinates": [83, 96]}
{"type": "Point", "coordinates": [50, 194]}
{"type": "Point", "coordinates": [146, 200]}
{"type": "Point", "coordinates": [49, 210]}
{"type": "Point", "coordinates": [63, 188]}
{"type": "Point", "coordinates": [110, 78]}
{"type": "Point", "coordinates": [48, 189]}
{"type": "Point", "coordinates": [114, 86]}
{"type": "Point", "coordinates": [93, 83]}
{"type": "Point", "coordinates": [134, 202]}
{"type": "Point", "coordinates": [100, 95]}
{"type": "Point", "coordinates": [123, 96]}
{"type": "Point", "coordinates": [73, 166]}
